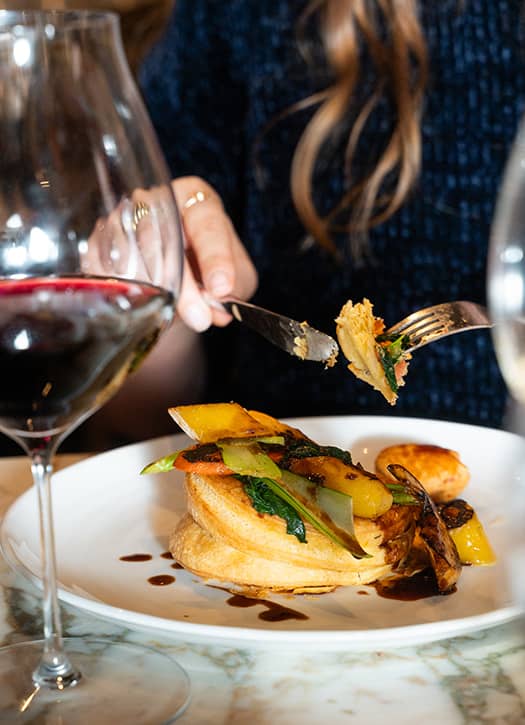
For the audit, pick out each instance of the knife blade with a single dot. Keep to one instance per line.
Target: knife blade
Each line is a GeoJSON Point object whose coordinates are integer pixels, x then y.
{"type": "Point", "coordinates": [296, 338]}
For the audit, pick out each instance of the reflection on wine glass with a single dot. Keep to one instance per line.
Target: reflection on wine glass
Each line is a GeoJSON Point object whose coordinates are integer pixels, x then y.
{"type": "Point", "coordinates": [506, 296]}
{"type": "Point", "coordinates": [90, 269]}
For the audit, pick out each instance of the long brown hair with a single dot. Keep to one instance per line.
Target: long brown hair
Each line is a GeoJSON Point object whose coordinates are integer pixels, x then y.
{"type": "Point", "coordinates": [390, 32]}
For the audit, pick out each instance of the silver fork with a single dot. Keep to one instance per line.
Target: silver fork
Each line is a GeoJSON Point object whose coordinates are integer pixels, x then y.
{"type": "Point", "coordinates": [432, 323]}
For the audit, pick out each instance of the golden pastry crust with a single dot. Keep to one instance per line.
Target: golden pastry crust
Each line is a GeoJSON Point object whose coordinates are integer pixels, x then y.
{"type": "Point", "coordinates": [212, 559]}
{"type": "Point", "coordinates": [254, 549]}
{"type": "Point", "coordinates": [440, 470]}
{"type": "Point", "coordinates": [356, 333]}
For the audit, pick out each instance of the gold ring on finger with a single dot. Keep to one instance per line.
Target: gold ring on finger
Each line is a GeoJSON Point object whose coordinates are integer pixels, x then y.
{"type": "Point", "coordinates": [196, 198]}
{"type": "Point", "coordinates": [140, 211]}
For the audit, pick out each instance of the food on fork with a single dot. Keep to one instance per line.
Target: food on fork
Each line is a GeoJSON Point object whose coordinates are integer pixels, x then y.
{"type": "Point", "coordinates": [372, 355]}
{"type": "Point", "coordinates": [269, 509]}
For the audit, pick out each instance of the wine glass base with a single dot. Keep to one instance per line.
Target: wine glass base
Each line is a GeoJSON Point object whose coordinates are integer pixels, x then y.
{"type": "Point", "coordinates": [120, 683]}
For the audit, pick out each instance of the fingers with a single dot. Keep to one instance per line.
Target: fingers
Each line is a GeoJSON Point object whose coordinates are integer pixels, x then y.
{"type": "Point", "coordinates": [191, 306]}
{"type": "Point", "coordinates": [216, 260]}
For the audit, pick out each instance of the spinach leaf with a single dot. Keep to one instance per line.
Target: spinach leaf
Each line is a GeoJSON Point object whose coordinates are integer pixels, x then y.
{"type": "Point", "coordinates": [390, 355]}
{"type": "Point", "coordinates": [265, 501]}
{"type": "Point", "coordinates": [388, 364]}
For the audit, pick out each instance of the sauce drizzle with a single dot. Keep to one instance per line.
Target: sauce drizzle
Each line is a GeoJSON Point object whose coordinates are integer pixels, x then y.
{"type": "Point", "coordinates": [273, 612]}
{"type": "Point", "coordinates": [161, 580]}
{"type": "Point", "coordinates": [409, 589]}
{"type": "Point", "coordinates": [136, 557]}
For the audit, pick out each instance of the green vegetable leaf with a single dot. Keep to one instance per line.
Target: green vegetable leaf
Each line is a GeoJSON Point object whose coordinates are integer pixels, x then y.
{"type": "Point", "coordinates": [248, 460]}
{"type": "Point", "coordinates": [161, 465]}
{"type": "Point", "coordinates": [265, 501]}
{"type": "Point", "coordinates": [390, 355]}
{"type": "Point", "coordinates": [329, 511]}
{"type": "Point", "coordinates": [398, 343]}
{"type": "Point", "coordinates": [400, 495]}
{"type": "Point", "coordinates": [388, 364]}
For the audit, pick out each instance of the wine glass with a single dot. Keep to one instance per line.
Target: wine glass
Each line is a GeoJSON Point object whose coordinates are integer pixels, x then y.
{"type": "Point", "coordinates": [90, 269]}
{"type": "Point", "coordinates": [506, 298]}
{"type": "Point", "coordinates": [506, 271]}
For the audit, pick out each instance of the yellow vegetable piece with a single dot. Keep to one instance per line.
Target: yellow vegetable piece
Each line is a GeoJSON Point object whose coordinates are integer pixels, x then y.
{"type": "Point", "coordinates": [472, 543]}
{"type": "Point", "coordinates": [210, 422]}
{"type": "Point", "coordinates": [370, 496]}
{"type": "Point", "coordinates": [276, 425]}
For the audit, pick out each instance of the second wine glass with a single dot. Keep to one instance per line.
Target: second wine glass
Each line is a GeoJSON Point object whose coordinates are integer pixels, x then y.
{"type": "Point", "coordinates": [506, 271]}
{"type": "Point", "coordinates": [506, 298]}
{"type": "Point", "coordinates": [90, 269]}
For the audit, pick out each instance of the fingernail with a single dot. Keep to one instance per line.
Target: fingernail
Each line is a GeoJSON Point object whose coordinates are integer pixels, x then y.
{"type": "Point", "coordinates": [197, 317]}
{"type": "Point", "coordinates": [219, 284]}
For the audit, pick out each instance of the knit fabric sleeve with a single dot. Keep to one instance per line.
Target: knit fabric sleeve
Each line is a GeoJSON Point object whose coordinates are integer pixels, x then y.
{"type": "Point", "coordinates": [195, 98]}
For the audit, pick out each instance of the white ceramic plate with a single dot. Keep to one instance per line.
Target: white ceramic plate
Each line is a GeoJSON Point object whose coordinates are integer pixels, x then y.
{"type": "Point", "coordinates": [105, 510]}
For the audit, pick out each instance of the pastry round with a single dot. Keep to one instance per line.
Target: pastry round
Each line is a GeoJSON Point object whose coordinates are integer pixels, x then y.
{"type": "Point", "coordinates": [232, 542]}
{"type": "Point", "coordinates": [439, 470]}
{"type": "Point", "coordinates": [210, 558]}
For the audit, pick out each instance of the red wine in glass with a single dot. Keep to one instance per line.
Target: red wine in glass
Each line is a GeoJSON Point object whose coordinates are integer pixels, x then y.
{"type": "Point", "coordinates": [66, 344]}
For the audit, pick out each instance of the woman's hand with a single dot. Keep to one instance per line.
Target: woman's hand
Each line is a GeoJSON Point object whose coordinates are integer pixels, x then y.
{"type": "Point", "coordinates": [216, 260]}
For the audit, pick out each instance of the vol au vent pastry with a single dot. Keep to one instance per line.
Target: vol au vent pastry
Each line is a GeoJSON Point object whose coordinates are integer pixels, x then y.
{"type": "Point", "coordinates": [269, 509]}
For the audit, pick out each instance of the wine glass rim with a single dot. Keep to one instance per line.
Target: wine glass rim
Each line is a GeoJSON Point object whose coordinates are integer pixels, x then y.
{"type": "Point", "coordinates": [63, 19]}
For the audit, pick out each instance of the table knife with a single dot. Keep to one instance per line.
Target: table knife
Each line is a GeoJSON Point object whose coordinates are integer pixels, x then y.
{"type": "Point", "coordinates": [296, 338]}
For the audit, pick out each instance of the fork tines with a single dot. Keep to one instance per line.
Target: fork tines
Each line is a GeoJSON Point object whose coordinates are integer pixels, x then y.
{"type": "Point", "coordinates": [429, 320]}
{"type": "Point", "coordinates": [431, 323]}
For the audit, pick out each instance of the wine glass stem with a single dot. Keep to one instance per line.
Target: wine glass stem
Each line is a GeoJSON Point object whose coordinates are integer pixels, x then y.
{"type": "Point", "coordinates": [54, 670]}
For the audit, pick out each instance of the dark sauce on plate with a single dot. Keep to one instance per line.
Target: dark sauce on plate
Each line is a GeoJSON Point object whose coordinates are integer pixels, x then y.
{"type": "Point", "coordinates": [161, 580]}
{"type": "Point", "coordinates": [136, 557]}
{"type": "Point", "coordinates": [273, 612]}
{"type": "Point", "coordinates": [409, 589]}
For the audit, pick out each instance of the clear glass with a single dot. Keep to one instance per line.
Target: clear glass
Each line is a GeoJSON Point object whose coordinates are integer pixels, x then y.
{"type": "Point", "coordinates": [506, 272]}
{"type": "Point", "coordinates": [90, 270]}
{"type": "Point", "coordinates": [506, 298]}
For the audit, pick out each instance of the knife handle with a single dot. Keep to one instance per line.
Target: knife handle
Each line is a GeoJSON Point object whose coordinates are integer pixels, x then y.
{"type": "Point", "coordinates": [222, 306]}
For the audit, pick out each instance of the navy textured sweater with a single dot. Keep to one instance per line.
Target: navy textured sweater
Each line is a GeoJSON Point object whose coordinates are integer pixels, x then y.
{"type": "Point", "coordinates": [224, 70]}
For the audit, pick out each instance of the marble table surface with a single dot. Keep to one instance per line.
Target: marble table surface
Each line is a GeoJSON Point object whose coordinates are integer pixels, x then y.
{"type": "Point", "coordinates": [476, 678]}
